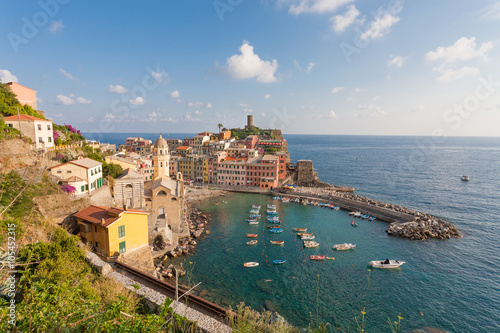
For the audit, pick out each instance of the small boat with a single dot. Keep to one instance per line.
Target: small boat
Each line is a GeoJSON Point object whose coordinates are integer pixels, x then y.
{"type": "Point", "coordinates": [372, 218]}
{"type": "Point", "coordinates": [273, 218]}
{"type": "Point", "coordinates": [254, 211]}
{"type": "Point", "coordinates": [465, 178]}
{"type": "Point", "coordinates": [252, 242]}
{"type": "Point", "coordinates": [300, 229]}
{"type": "Point", "coordinates": [357, 214]}
{"type": "Point", "coordinates": [276, 231]}
{"type": "Point", "coordinates": [365, 216]}
{"type": "Point", "coordinates": [279, 262]}
{"type": "Point", "coordinates": [317, 257]}
{"type": "Point", "coordinates": [274, 221]}
{"type": "Point", "coordinates": [253, 222]}
{"type": "Point", "coordinates": [336, 208]}
{"type": "Point", "coordinates": [256, 206]}
{"type": "Point", "coordinates": [300, 234]}
{"type": "Point", "coordinates": [251, 264]}
{"type": "Point", "coordinates": [310, 244]}
{"type": "Point", "coordinates": [271, 206]}
{"type": "Point", "coordinates": [251, 235]}
{"type": "Point", "coordinates": [352, 213]}
{"type": "Point", "coordinates": [330, 258]}
{"type": "Point", "coordinates": [343, 247]}
{"type": "Point", "coordinates": [272, 212]}
{"type": "Point", "coordinates": [255, 216]}
{"type": "Point", "coordinates": [278, 242]}
{"type": "Point", "coordinates": [385, 263]}
{"type": "Point", "coordinates": [354, 224]}
{"type": "Point", "coordinates": [307, 237]}
{"type": "Point", "coordinates": [273, 227]}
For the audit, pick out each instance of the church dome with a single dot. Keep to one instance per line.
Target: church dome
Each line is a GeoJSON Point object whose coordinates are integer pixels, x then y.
{"type": "Point", "coordinates": [161, 143]}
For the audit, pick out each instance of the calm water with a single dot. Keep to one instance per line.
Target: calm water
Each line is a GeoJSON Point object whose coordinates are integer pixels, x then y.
{"type": "Point", "coordinates": [451, 284]}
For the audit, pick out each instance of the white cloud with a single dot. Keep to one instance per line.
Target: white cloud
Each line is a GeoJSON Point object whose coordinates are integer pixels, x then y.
{"type": "Point", "coordinates": [463, 49]}
{"type": "Point", "coordinates": [342, 22]}
{"type": "Point", "coordinates": [197, 112]}
{"type": "Point", "coordinates": [448, 75]}
{"type": "Point", "coordinates": [175, 94]}
{"type": "Point", "coordinates": [358, 90]}
{"type": "Point", "coordinates": [376, 111]}
{"type": "Point", "coordinates": [310, 66]}
{"type": "Point", "coordinates": [171, 120]}
{"type": "Point", "coordinates": [247, 110]}
{"type": "Point", "coordinates": [195, 104]}
{"type": "Point", "coordinates": [243, 105]}
{"type": "Point", "coordinates": [82, 100]}
{"type": "Point", "coordinates": [382, 23]}
{"type": "Point", "coordinates": [316, 6]}
{"type": "Point", "coordinates": [67, 75]}
{"type": "Point", "coordinates": [137, 101]}
{"type": "Point", "coordinates": [396, 61]}
{"type": "Point", "coordinates": [109, 116]}
{"type": "Point", "coordinates": [118, 89]}
{"type": "Point", "coordinates": [189, 117]}
{"type": "Point", "coordinates": [267, 96]}
{"type": "Point", "coordinates": [218, 115]}
{"type": "Point", "coordinates": [209, 106]}
{"type": "Point", "coordinates": [350, 99]}
{"type": "Point", "coordinates": [161, 76]}
{"type": "Point", "coordinates": [7, 76]}
{"type": "Point", "coordinates": [376, 98]}
{"type": "Point", "coordinates": [331, 115]}
{"type": "Point", "coordinates": [491, 12]}
{"type": "Point", "coordinates": [56, 26]}
{"type": "Point", "coordinates": [248, 65]}
{"type": "Point", "coordinates": [91, 119]}
{"type": "Point", "coordinates": [296, 63]}
{"type": "Point", "coordinates": [66, 100]}
{"type": "Point", "coordinates": [337, 90]}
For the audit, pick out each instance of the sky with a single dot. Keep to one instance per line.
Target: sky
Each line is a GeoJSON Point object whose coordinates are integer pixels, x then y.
{"type": "Point", "coordinates": [346, 67]}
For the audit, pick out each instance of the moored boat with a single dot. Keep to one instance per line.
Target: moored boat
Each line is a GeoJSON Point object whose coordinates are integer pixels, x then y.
{"type": "Point", "coordinates": [278, 242]}
{"type": "Point", "coordinates": [386, 263]}
{"type": "Point", "coordinates": [307, 237]}
{"type": "Point", "coordinates": [371, 218]}
{"type": "Point", "coordinates": [330, 258]}
{"type": "Point", "coordinates": [273, 227]}
{"type": "Point", "coordinates": [310, 244]}
{"type": "Point", "coordinates": [300, 234]}
{"type": "Point", "coordinates": [300, 229]}
{"type": "Point", "coordinates": [254, 211]}
{"type": "Point", "coordinates": [279, 262]}
{"type": "Point", "coordinates": [252, 235]}
{"type": "Point", "coordinates": [273, 218]}
{"type": "Point", "coordinates": [252, 242]}
{"type": "Point", "coordinates": [354, 224]}
{"type": "Point", "coordinates": [274, 221]}
{"type": "Point", "coordinates": [251, 264]}
{"type": "Point", "coordinates": [272, 212]}
{"type": "Point", "coordinates": [276, 230]}
{"type": "Point", "coordinates": [271, 206]}
{"type": "Point", "coordinates": [317, 257]}
{"type": "Point", "coordinates": [255, 216]}
{"type": "Point", "coordinates": [465, 178]}
{"type": "Point", "coordinates": [336, 208]}
{"type": "Point", "coordinates": [253, 222]}
{"type": "Point", "coordinates": [343, 247]}
{"type": "Point", "coordinates": [256, 206]}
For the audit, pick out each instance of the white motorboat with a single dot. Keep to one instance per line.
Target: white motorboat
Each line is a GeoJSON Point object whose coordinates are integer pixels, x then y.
{"type": "Point", "coordinates": [310, 244]}
{"type": "Point", "coordinates": [307, 237]}
{"type": "Point", "coordinates": [386, 263]}
{"type": "Point", "coordinates": [251, 264]}
{"type": "Point", "coordinates": [465, 178]}
{"type": "Point", "coordinates": [343, 247]}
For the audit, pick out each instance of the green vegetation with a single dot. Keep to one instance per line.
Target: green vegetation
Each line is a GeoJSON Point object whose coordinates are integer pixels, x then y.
{"type": "Point", "coordinates": [9, 103]}
{"type": "Point", "coordinates": [243, 133]}
{"type": "Point", "coordinates": [113, 170]}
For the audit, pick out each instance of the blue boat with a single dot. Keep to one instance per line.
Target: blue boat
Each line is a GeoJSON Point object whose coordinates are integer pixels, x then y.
{"type": "Point", "coordinates": [255, 216]}
{"type": "Point", "coordinates": [371, 218]}
{"type": "Point", "coordinates": [276, 231]}
{"type": "Point", "coordinates": [251, 220]}
{"type": "Point", "coordinates": [366, 216]}
{"type": "Point", "coordinates": [279, 262]}
{"type": "Point", "coordinates": [272, 212]}
{"type": "Point", "coordinates": [274, 221]}
{"type": "Point", "coordinates": [254, 211]}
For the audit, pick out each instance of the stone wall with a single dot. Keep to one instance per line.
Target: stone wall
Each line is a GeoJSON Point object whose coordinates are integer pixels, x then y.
{"type": "Point", "coordinates": [305, 172]}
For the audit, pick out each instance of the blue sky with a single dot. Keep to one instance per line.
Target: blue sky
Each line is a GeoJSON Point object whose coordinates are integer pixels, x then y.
{"type": "Point", "coordinates": [305, 66]}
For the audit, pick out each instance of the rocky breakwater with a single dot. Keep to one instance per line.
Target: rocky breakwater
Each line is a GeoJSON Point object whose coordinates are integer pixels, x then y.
{"type": "Point", "coordinates": [197, 222]}
{"type": "Point", "coordinates": [424, 227]}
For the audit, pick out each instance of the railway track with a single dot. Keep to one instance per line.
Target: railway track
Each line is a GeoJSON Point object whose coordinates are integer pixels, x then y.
{"type": "Point", "coordinates": [209, 307]}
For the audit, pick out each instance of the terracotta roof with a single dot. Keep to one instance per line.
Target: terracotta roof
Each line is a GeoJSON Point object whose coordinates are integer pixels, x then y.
{"type": "Point", "coordinates": [95, 214]}
{"type": "Point", "coordinates": [24, 117]}
{"type": "Point", "coordinates": [183, 148]}
{"type": "Point", "coordinates": [86, 163]}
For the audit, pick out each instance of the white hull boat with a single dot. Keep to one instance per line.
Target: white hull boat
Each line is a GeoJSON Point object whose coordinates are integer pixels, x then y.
{"type": "Point", "coordinates": [251, 264]}
{"type": "Point", "coordinates": [343, 247]}
{"type": "Point", "coordinates": [386, 263]}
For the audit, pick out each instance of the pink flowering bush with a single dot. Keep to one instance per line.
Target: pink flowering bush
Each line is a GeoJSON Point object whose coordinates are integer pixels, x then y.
{"type": "Point", "coordinates": [68, 189]}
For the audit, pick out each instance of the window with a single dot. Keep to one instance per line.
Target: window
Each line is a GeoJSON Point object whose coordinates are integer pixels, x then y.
{"type": "Point", "coordinates": [39, 127]}
{"type": "Point", "coordinates": [83, 188]}
{"type": "Point", "coordinates": [49, 139]}
{"type": "Point", "coordinates": [86, 187]}
{"type": "Point", "coordinates": [122, 247]}
{"type": "Point", "coordinates": [40, 139]}
{"type": "Point", "coordinates": [91, 172]}
{"type": "Point", "coordinates": [59, 171]}
{"type": "Point", "coordinates": [121, 231]}
{"type": "Point", "coordinates": [10, 125]}
{"type": "Point", "coordinates": [48, 127]}
{"type": "Point", "coordinates": [68, 171]}
{"type": "Point", "coordinates": [95, 228]}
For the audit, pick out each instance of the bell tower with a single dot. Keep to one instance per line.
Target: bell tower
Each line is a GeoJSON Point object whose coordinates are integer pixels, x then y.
{"type": "Point", "coordinates": [161, 159]}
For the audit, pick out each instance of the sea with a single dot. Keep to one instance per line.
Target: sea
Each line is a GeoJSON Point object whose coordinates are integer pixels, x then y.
{"type": "Point", "coordinates": [453, 284]}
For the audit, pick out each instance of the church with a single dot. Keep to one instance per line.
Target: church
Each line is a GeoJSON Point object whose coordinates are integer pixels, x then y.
{"type": "Point", "coordinates": [162, 197]}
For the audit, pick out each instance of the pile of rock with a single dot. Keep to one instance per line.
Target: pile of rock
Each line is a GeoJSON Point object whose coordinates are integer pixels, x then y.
{"type": "Point", "coordinates": [183, 247]}
{"type": "Point", "coordinates": [169, 271]}
{"type": "Point", "coordinates": [197, 221]}
{"type": "Point", "coordinates": [424, 227]}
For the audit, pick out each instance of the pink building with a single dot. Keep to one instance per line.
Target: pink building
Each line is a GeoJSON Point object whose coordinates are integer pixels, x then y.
{"type": "Point", "coordinates": [263, 172]}
{"type": "Point", "coordinates": [232, 171]}
{"type": "Point", "coordinates": [251, 141]}
{"type": "Point", "coordinates": [281, 165]}
{"type": "Point", "coordinates": [24, 95]}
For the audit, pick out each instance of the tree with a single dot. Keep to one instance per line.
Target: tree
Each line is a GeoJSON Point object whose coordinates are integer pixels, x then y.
{"type": "Point", "coordinates": [219, 126]}
{"type": "Point", "coordinates": [113, 170]}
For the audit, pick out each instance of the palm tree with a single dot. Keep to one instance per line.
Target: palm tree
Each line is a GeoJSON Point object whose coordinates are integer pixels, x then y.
{"type": "Point", "coordinates": [219, 126]}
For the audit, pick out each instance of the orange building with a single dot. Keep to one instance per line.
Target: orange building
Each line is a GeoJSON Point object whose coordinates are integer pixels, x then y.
{"type": "Point", "coordinates": [25, 95]}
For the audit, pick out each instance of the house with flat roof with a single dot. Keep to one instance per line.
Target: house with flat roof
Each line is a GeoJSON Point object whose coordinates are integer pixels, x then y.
{"type": "Point", "coordinates": [40, 131]}
{"type": "Point", "coordinates": [84, 174]}
{"type": "Point", "coordinates": [24, 95]}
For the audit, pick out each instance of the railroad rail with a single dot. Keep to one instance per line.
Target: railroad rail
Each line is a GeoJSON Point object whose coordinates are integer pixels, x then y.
{"type": "Point", "coordinates": [213, 309]}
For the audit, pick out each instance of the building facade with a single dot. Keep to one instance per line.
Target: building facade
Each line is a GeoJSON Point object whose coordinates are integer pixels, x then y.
{"type": "Point", "coordinates": [40, 131]}
{"type": "Point", "coordinates": [84, 174]}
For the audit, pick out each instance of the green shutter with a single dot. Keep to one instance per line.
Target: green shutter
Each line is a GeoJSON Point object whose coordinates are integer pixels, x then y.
{"type": "Point", "coordinates": [83, 188]}
{"type": "Point", "coordinates": [121, 231]}
{"type": "Point", "coordinates": [122, 247]}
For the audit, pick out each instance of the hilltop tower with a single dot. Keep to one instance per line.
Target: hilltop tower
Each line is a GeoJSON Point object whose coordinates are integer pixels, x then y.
{"type": "Point", "coordinates": [161, 159]}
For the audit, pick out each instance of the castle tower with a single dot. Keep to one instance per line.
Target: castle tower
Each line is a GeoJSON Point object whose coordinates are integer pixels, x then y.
{"type": "Point", "coordinates": [161, 159]}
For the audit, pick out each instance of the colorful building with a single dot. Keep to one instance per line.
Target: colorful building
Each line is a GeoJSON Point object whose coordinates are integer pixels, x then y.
{"type": "Point", "coordinates": [24, 95]}
{"type": "Point", "coordinates": [40, 131]}
{"type": "Point", "coordinates": [113, 231]}
{"type": "Point", "coordinates": [262, 172]}
{"type": "Point", "coordinates": [84, 174]}
{"type": "Point", "coordinates": [232, 171]}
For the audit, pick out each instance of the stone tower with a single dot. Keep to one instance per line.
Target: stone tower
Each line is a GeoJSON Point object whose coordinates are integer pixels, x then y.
{"type": "Point", "coordinates": [161, 159]}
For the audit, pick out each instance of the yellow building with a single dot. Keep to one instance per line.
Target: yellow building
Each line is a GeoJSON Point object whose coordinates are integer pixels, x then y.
{"type": "Point", "coordinates": [124, 162]}
{"type": "Point", "coordinates": [205, 168]}
{"type": "Point", "coordinates": [113, 231]}
{"type": "Point", "coordinates": [186, 167]}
